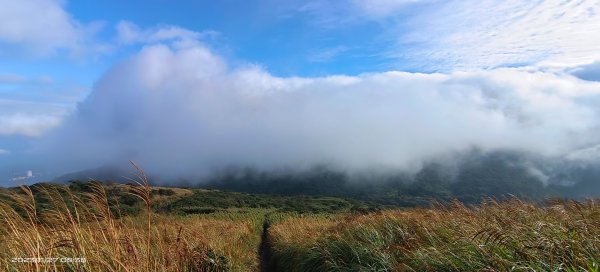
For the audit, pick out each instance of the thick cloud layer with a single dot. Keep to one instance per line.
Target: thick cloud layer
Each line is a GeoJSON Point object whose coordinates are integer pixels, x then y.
{"type": "Point", "coordinates": [181, 111]}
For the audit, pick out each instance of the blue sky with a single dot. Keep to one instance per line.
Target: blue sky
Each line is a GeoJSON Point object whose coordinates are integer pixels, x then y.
{"type": "Point", "coordinates": [53, 52]}
{"type": "Point", "coordinates": [316, 38]}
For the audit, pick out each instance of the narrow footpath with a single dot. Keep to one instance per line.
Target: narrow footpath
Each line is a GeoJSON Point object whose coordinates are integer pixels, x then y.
{"type": "Point", "coordinates": [264, 250]}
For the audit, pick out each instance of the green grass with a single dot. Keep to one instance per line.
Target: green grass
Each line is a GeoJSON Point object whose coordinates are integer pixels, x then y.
{"type": "Point", "coordinates": [208, 201]}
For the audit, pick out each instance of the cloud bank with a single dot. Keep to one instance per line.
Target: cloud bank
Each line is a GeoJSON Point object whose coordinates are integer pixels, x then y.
{"type": "Point", "coordinates": [182, 111]}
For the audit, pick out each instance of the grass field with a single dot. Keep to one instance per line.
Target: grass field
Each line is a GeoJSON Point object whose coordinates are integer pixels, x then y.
{"type": "Point", "coordinates": [138, 227]}
{"type": "Point", "coordinates": [508, 236]}
{"type": "Point", "coordinates": [70, 226]}
{"type": "Point", "coordinates": [143, 228]}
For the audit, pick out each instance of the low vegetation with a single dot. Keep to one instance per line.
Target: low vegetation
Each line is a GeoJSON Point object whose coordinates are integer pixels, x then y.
{"type": "Point", "coordinates": [137, 227]}
{"type": "Point", "coordinates": [52, 228]}
{"type": "Point", "coordinates": [507, 236]}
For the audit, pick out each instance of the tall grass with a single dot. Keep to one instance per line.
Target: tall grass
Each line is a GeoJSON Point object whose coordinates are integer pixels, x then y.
{"type": "Point", "coordinates": [69, 225]}
{"type": "Point", "coordinates": [508, 236]}
{"type": "Point", "coordinates": [51, 221]}
{"type": "Point", "coordinates": [142, 191]}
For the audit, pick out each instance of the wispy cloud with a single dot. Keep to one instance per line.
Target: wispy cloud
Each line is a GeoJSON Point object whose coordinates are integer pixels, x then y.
{"type": "Point", "coordinates": [4, 152]}
{"type": "Point", "coordinates": [30, 106]}
{"type": "Point", "coordinates": [455, 35]}
{"type": "Point", "coordinates": [472, 34]}
{"type": "Point", "coordinates": [341, 13]}
{"type": "Point", "coordinates": [19, 80]}
{"type": "Point", "coordinates": [130, 33]}
{"type": "Point", "coordinates": [11, 78]}
{"type": "Point", "coordinates": [384, 8]}
{"type": "Point", "coordinates": [327, 54]}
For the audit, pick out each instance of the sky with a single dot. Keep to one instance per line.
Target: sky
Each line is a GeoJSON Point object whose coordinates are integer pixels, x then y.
{"type": "Point", "coordinates": [272, 83]}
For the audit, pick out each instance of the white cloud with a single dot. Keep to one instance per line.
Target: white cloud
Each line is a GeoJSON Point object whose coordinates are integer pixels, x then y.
{"type": "Point", "coordinates": [181, 111]}
{"type": "Point", "coordinates": [129, 33]}
{"type": "Point", "coordinates": [43, 27]}
{"type": "Point", "coordinates": [464, 35]}
{"type": "Point", "coordinates": [32, 105]}
{"type": "Point", "coordinates": [28, 125]}
{"type": "Point", "coordinates": [31, 118]}
{"type": "Point", "coordinates": [4, 152]}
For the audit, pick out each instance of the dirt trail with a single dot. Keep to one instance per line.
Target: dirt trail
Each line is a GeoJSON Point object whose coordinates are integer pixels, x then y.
{"type": "Point", "coordinates": [264, 250]}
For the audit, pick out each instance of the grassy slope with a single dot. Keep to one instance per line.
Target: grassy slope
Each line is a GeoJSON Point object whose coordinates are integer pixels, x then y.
{"type": "Point", "coordinates": [490, 237]}
{"type": "Point", "coordinates": [211, 230]}
{"type": "Point", "coordinates": [54, 221]}
{"type": "Point", "coordinates": [190, 230]}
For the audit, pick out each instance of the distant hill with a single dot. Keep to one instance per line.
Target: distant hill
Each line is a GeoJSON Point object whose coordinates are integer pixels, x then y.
{"type": "Point", "coordinates": [469, 178]}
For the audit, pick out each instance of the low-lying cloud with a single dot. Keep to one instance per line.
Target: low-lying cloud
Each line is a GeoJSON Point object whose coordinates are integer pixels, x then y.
{"type": "Point", "coordinates": [182, 111]}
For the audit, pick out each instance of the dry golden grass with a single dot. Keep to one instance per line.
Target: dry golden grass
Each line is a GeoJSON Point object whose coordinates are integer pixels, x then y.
{"type": "Point", "coordinates": [507, 236]}
{"type": "Point", "coordinates": [517, 236]}
{"type": "Point", "coordinates": [303, 231]}
{"type": "Point", "coordinates": [83, 226]}
{"type": "Point", "coordinates": [177, 193]}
